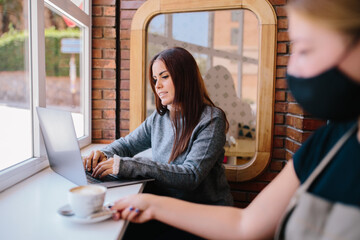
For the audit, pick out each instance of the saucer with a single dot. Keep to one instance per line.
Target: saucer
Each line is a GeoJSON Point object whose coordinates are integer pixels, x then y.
{"type": "Point", "coordinates": [99, 216]}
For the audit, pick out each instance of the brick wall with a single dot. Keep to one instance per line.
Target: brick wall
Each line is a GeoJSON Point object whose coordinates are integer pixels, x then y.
{"type": "Point", "coordinates": [104, 61]}
{"type": "Point", "coordinates": [292, 125]}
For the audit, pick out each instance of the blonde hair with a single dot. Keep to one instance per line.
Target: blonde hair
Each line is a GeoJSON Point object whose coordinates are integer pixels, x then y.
{"type": "Point", "coordinates": [339, 15]}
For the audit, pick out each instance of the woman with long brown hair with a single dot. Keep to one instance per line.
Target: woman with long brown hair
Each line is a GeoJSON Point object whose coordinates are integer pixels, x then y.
{"type": "Point", "coordinates": [186, 134]}
{"type": "Point", "coordinates": [317, 194]}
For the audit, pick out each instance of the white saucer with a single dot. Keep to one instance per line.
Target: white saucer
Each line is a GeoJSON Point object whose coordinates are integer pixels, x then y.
{"type": "Point", "coordinates": [102, 215]}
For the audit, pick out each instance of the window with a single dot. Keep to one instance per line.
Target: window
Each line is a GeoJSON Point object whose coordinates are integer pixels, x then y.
{"type": "Point", "coordinates": [45, 61]}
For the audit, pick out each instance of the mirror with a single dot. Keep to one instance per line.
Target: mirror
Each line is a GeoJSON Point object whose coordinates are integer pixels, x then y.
{"type": "Point", "coordinates": [225, 45]}
{"type": "Point", "coordinates": [234, 46]}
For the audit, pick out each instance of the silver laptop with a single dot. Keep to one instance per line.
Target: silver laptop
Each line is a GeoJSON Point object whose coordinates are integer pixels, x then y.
{"type": "Point", "coordinates": [64, 153]}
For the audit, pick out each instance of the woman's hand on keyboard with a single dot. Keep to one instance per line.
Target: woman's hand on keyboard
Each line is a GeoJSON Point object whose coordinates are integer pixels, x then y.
{"type": "Point", "coordinates": [93, 159]}
{"type": "Point", "coordinates": [103, 169]}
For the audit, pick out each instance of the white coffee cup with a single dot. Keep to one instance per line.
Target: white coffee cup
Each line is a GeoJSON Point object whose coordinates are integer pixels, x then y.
{"type": "Point", "coordinates": [85, 200]}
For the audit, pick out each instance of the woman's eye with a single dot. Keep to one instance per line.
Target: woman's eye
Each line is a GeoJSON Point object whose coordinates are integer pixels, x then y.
{"type": "Point", "coordinates": [154, 80]}
{"type": "Point", "coordinates": [165, 77]}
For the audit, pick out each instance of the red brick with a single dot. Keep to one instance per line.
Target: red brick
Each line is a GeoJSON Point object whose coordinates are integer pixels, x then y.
{"type": "Point", "coordinates": [102, 141]}
{"type": "Point", "coordinates": [124, 114]}
{"type": "Point", "coordinates": [103, 43]}
{"type": "Point", "coordinates": [277, 165]}
{"type": "Point", "coordinates": [104, 2]}
{"type": "Point", "coordinates": [282, 60]}
{"type": "Point", "coordinates": [290, 97]}
{"type": "Point", "coordinates": [109, 32]}
{"type": "Point", "coordinates": [125, 85]}
{"type": "Point", "coordinates": [277, 2]}
{"type": "Point", "coordinates": [104, 104]}
{"type": "Point", "coordinates": [109, 134]}
{"type": "Point", "coordinates": [97, 11]}
{"type": "Point", "coordinates": [294, 108]}
{"type": "Point", "coordinates": [104, 84]}
{"type": "Point", "coordinates": [125, 24]}
{"type": "Point", "coordinates": [283, 37]}
{"type": "Point", "coordinates": [109, 73]}
{"type": "Point", "coordinates": [280, 11]}
{"type": "Point", "coordinates": [278, 142]}
{"type": "Point", "coordinates": [125, 74]}
{"type": "Point", "coordinates": [127, 14]}
{"type": "Point", "coordinates": [278, 153]}
{"type": "Point", "coordinates": [282, 48]}
{"type": "Point", "coordinates": [281, 107]}
{"type": "Point", "coordinates": [125, 44]}
{"type": "Point", "coordinates": [125, 64]}
{"type": "Point", "coordinates": [281, 72]}
{"type": "Point", "coordinates": [124, 133]}
{"type": "Point", "coordinates": [124, 105]}
{"type": "Point", "coordinates": [124, 124]}
{"type": "Point", "coordinates": [288, 155]}
{"type": "Point", "coordinates": [124, 95]}
{"type": "Point", "coordinates": [291, 145]}
{"type": "Point", "coordinates": [96, 73]}
{"type": "Point", "coordinates": [280, 130]}
{"type": "Point", "coordinates": [124, 34]}
{"type": "Point", "coordinates": [103, 124]}
{"type": "Point", "coordinates": [97, 32]}
{"type": "Point", "coordinates": [279, 118]}
{"type": "Point", "coordinates": [280, 95]}
{"type": "Point", "coordinates": [103, 21]}
{"type": "Point", "coordinates": [281, 83]}
{"type": "Point", "coordinates": [266, 176]}
{"type": "Point", "coordinates": [103, 63]}
{"type": "Point", "coordinates": [96, 114]}
{"type": "Point", "coordinates": [109, 11]}
{"type": "Point", "coordinates": [96, 53]}
{"type": "Point", "coordinates": [125, 54]}
{"type": "Point", "coordinates": [294, 121]}
{"type": "Point", "coordinates": [313, 124]}
{"type": "Point", "coordinates": [96, 133]}
{"type": "Point", "coordinates": [96, 94]}
{"type": "Point", "coordinates": [283, 23]}
{"type": "Point", "coordinates": [109, 53]}
{"type": "Point", "coordinates": [109, 114]}
{"type": "Point", "coordinates": [131, 4]}
{"type": "Point", "coordinates": [297, 135]}
{"type": "Point", "coordinates": [109, 94]}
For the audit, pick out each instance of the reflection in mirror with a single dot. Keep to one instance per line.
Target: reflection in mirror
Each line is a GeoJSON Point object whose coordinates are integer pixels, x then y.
{"type": "Point", "coordinates": [225, 45]}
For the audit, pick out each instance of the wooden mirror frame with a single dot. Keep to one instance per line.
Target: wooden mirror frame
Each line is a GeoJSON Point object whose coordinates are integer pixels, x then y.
{"type": "Point", "coordinates": [266, 74]}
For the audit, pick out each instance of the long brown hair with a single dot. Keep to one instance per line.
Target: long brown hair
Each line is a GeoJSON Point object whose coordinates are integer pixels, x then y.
{"type": "Point", "coordinates": [190, 97]}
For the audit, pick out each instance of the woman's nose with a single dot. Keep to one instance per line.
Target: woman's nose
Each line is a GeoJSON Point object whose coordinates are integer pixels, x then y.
{"type": "Point", "coordinates": [158, 84]}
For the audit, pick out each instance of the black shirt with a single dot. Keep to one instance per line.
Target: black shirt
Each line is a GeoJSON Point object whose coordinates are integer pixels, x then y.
{"type": "Point", "coordinates": [340, 180]}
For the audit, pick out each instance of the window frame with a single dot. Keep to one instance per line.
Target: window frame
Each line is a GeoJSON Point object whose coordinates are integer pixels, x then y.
{"type": "Point", "coordinates": [20, 171]}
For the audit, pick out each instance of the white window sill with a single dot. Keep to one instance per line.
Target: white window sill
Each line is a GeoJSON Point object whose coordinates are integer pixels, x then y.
{"type": "Point", "coordinates": [19, 172]}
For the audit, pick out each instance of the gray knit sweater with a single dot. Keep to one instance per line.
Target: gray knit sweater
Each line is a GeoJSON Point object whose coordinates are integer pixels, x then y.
{"type": "Point", "coordinates": [197, 175]}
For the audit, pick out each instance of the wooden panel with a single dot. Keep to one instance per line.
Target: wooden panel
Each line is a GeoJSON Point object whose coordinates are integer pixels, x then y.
{"type": "Point", "coordinates": [144, 14]}
{"type": "Point", "coordinates": [263, 9]}
{"type": "Point", "coordinates": [196, 5]}
{"type": "Point", "coordinates": [137, 78]}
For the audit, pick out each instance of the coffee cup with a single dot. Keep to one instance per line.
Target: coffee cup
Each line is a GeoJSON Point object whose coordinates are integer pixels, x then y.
{"type": "Point", "coordinates": [85, 200]}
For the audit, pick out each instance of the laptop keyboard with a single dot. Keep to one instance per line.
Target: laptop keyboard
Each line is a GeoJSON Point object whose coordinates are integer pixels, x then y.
{"type": "Point", "coordinates": [93, 180]}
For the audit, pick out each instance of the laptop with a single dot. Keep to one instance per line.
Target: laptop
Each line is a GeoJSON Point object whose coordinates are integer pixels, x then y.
{"type": "Point", "coordinates": [63, 150]}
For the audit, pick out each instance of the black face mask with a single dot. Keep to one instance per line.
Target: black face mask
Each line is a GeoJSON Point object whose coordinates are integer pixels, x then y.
{"type": "Point", "coordinates": [331, 95]}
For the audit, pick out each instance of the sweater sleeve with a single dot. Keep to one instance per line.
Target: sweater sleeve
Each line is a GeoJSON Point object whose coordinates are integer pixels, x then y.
{"type": "Point", "coordinates": [135, 142]}
{"type": "Point", "coordinates": [204, 150]}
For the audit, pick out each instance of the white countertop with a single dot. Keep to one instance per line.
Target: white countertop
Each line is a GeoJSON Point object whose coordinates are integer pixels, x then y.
{"type": "Point", "coordinates": [28, 210]}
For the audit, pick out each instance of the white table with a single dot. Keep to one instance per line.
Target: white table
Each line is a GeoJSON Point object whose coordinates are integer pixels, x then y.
{"type": "Point", "coordinates": [28, 210]}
